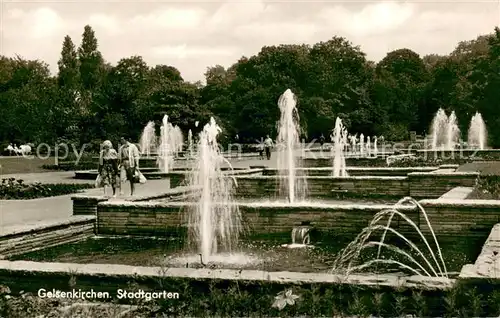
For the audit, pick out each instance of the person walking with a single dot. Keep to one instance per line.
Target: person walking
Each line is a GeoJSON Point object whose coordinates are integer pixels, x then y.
{"type": "Point", "coordinates": [268, 144]}
{"type": "Point", "coordinates": [260, 148]}
{"type": "Point", "coordinates": [129, 163]}
{"type": "Point", "coordinates": [321, 140]}
{"type": "Point", "coordinates": [108, 168]}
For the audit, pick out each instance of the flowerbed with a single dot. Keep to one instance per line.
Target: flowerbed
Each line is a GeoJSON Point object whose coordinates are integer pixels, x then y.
{"type": "Point", "coordinates": [16, 189]}
{"type": "Point", "coordinates": [71, 166]}
{"type": "Point", "coordinates": [487, 188]}
{"type": "Point", "coordinates": [223, 299]}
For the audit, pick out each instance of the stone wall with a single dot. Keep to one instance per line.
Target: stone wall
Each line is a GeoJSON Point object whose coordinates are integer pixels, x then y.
{"type": "Point", "coordinates": [75, 229]}
{"type": "Point", "coordinates": [451, 219]}
{"type": "Point", "coordinates": [492, 154]}
{"type": "Point", "coordinates": [433, 185]}
{"type": "Point", "coordinates": [266, 187]}
{"type": "Point", "coordinates": [417, 185]}
{"type": "Point", "coordinates": [321, 161]}
{"type": "Point", "coordinates": [165, 219]}
{"type": "Point", "coordinates": [357, 171]}
{"type": "Point", "coordinates": [471, 218]}
{"type": "Point", "coordinates": [87, 204]}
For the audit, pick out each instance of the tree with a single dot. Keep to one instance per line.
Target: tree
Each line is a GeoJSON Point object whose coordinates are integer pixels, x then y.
{"type": "Point", "coordinates": [91, 61]}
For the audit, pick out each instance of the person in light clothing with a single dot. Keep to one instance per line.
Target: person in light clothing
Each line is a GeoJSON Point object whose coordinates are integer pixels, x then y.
{"type": "Point", "coordinates": [108, 167]}
{"type": "Point", "coordinates": [268, 144]}
{"type": "Point", "coordinates": [129, 163]}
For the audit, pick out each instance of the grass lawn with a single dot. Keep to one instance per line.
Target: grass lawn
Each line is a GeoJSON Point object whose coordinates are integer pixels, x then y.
{"type": "Point", "coordinates": [483, 167]}
{"type": "Point", "coordinates": [19, 164]}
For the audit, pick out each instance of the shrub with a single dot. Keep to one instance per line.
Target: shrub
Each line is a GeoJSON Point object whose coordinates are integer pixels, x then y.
{"type": "Point", "coordinates": [246, 299]}
{"type": "Point", "coordinates": [71, 166]}
{"type": "Point", "coordinates": [487, 188]}
{"type": "Point", "coordinates": [16, 189]}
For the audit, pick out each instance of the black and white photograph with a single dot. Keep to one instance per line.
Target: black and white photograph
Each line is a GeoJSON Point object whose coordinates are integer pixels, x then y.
{"type": "Point", "coordinates": [249, 158]}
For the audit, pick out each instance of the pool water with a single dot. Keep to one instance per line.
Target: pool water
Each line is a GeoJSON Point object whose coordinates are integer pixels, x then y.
{"type": "Point", "coordinates": [268, 255]}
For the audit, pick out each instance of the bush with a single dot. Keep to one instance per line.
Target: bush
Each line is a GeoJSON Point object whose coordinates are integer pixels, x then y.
{"type": "Point", "coordinates": [16, 189]}
{"type": "Point", "coordinates": [487, 188]}
{"type": "Point", "coordinates": [246, 299]}
{"type": "Point", "coordinates": [71, 166]}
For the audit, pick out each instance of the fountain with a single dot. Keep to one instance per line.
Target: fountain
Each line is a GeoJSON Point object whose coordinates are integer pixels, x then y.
{"type": "Point", "coordinates": [190, 143]}
{"type": "Point", "coordinates": [347, 261]}
{"type": "Point", "coordinates": [445, 133]}
{"type": "Point", "coordinates": [288, 141]}
{"type": "Point", "coordinates": [171, 143]}
{"type": "Point", "coordinates": [301, 236]}
{"type": "Point", "coordinates": [339, 139]}
{"type": "Point", "coordinates": [353, 143]}
{"type": "Point", "coordinates": [368, 146]}
{"type": "Point", "coordinates": [477, 132]}
{"type": "Point", "coordinates": [452, 132]}
{"type": "Point", "coordinates": [375, 146]}
{"type": "Point", "coordinates": [362, 144]}
{"type": "Point", "coordinates": [177, 140]}
{"type": "Point", "coordinates": [147, 141]}
{"type": "Point", "coordinates": [215, 220]}
{"type": "Point", "coordinates": [165, 158]}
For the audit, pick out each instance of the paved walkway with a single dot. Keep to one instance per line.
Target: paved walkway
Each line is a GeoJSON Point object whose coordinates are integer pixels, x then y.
{"type": "Point", "coordinates": [26, 213]}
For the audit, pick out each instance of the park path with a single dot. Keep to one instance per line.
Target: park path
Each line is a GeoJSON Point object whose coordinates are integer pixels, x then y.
{"type": "Point", "coordinates": [16, 214]}
{"type": "Point", "coordinates": [22, 214]}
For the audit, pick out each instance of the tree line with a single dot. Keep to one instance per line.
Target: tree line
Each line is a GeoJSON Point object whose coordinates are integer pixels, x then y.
{"type": "Point", "coordinates": [90, 100]}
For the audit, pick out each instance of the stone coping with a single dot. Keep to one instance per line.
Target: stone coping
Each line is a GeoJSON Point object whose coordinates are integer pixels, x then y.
{"type": "Point", "coordinates": [329, 156]}
{"type": "Point", "coordinates": [167, 193]}
{"type": "Point", "coordinates": [259, 177]}
{"type": "Point", "coordinates": [461, 203]}
{"type": "Point", "coordinates": [459, 150]}
{"type": "Point", "coordinates": [47, 225]}
{"type": "Point", "coordinates": [449, 166]}
{"type": "Point", "coordinates": [125, 271]}
{"type": "Point", "coordinates": [368, 168]}
{"type": "Point", "coordinates": [458, 193]}
{"type": "Point", "coordinates": [182, 171]}
{"type": "Point", "coordinates": [170, 192]}
{"type": "Point", "coordinates": [487, 264]}
{"type": "Point", "coordinates": [89, 197]}
{"type": "Point", "coordinates": [271, 205]}
{"type": "Point", "coordinates": [444, 174]}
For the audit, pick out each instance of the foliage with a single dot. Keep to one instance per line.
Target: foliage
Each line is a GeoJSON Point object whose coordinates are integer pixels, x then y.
{"type": "Point", "coordinates": [91, 100]}
{"type": "Point", "coordinates": [244, 299]}
{"type": "Point", "coordinates": [487, 188]}
{"type": "Point", "coordinates": [16, 189]}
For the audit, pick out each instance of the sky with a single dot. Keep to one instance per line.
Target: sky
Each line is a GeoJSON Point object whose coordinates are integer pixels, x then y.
{"type": "Point", "coordinates": [192, 35]}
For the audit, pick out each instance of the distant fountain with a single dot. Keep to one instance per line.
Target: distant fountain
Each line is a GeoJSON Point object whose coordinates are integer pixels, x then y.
{"type": "Point", "coordinates": [445, 133]}
{"type": "Point", "coordinates": [171, 143]}
{"type": "Point", "coordinates": [438, 129]}
{"type": "Point", "coordinates": [190, 143]}
{"type": "Point", "coordinates": [375, 145]}
{"type": "Point", "coordinates": [215, 221]}
{"type": "Point", "coordinates": [353, 143]}
{"type": "Point", "coordinates": [430, 264]}
{"type": "Point", "coordinates": [339, 139]}
{"type": "Point", "coordinates": [452, 132]}
{"type": "Point", "coordinates": [288, 141]}
{"type": "Point", "coordinates": [362, 144]}
{"type": "Point", "coordinates": [165, 158]}
{"type": "Point", "coordinates": [148, 139]}
{"type": "Point", "coordinates": [477, 132]}
{"type": "Point", "coordinates": [368, 145]}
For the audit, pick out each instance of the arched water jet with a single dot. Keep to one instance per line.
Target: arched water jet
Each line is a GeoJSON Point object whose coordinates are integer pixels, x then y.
{"type": "Point", "coordinates": [350, 255]}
